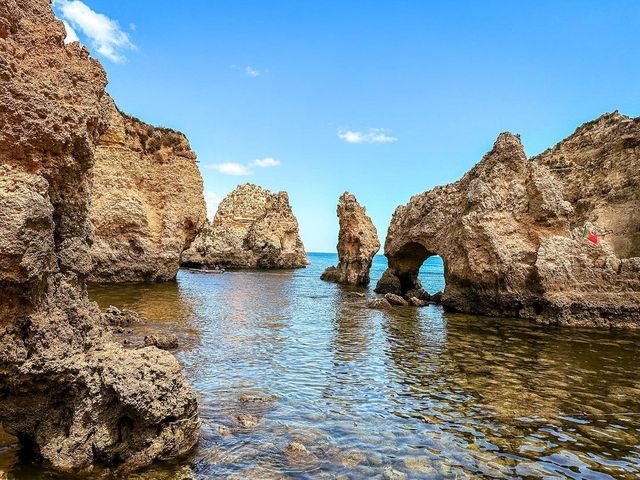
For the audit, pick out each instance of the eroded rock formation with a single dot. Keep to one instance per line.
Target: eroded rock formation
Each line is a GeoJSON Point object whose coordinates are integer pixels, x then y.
{"type": "Point", "coordinates": [599, 168]}
{"type": "Point", "coordinates": [357, 244]}
{"type": "Point", "coordinates": [253, 228]}
{"type": "Point", "coordinates": [510, 231]}
{"type": "Point", "coordinates": [67, 391]}
{"type": "Point", "coordinates": [147, 201]}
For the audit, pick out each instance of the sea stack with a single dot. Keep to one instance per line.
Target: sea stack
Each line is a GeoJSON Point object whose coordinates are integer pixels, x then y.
{"type": "Point", "coordinates": [69, 393]}
{"type": "Point", "coordinates": [253, 228]}
{"type": "Point", "coordinates": [147, 201]}
{"type": "Point", "coordinates": [357, 244]}
{"type": "Point", "coordinates": [510, 231]}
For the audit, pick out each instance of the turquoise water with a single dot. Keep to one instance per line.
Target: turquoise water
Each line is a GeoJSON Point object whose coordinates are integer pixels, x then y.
{"type": "Point", "coordinates": [408, 393]}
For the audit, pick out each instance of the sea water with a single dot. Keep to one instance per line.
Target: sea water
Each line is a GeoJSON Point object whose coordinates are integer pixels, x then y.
{"type": "Point", "coordinates": [404, 393]}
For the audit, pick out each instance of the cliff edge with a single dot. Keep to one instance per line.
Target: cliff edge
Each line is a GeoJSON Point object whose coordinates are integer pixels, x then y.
{"type": "Point", "coordinates": [69, 393]}
{"type": "Point", "coordinates": [147, 201]}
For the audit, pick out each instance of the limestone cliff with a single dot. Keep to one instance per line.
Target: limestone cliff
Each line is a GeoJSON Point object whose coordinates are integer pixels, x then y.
{"type": "Point", "coordinates": [253, 228]}
{"type": "Point", "coordinates": [67, 391]}
{"type": "Point", "coordinates": [600, 172]}
{"type": "Point", "coordinates": [147, 201]}
{"type": "Point", "coordinates": [357, 244]}
{"type": "Point", "coordinates": [510, 231]}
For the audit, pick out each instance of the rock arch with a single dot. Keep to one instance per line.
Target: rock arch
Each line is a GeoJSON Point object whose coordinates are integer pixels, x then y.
{"type": "Point", "coordinates": [401, 277]}
{"type": "Point", "coordinates": [510, 233]}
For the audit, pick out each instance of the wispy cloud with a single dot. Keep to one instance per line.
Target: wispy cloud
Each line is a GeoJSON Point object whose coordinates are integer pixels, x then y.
{"type": "Point", "coordinates": [213, 200]}
{"type": "Point", "coordinates": [243, 169]}
{"type": "Point", "coordinates": [72, 36]}
{"type": "Point", "coordinates": [266, 162]}
{"type": "Point", "coordinates": [105, 34]}
{"type": "Point", "coordinates": [373, 135]}
{"type": "Point", "coordinates": [231, 168]}
{"type": "Point", "coordinates": [252, 72]}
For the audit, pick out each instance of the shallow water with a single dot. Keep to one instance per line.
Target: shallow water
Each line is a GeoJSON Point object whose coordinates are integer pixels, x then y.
{"type": "Point", "coordinates": [413, 393]}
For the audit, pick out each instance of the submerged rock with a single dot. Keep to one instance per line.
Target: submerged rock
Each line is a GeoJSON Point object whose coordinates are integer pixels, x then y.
{"type": "Point", "coordinates": [69, 392]}
{"type": "Point", "coordinates": [253, 228]}
{"type": "Point", "coordinates": [297, 454]}
{"type": "Point", "coordinates": [256, 398]}
{"type": "Point", "coordinates": [162, 341]}
{"type": "Point", "coordinates": [351, 459]}
{"type": "Point", "coordinates": [394, 299]}
{"type": "Point", "coordinates": [357, 244]}
{"type": "Point", "coordinates": [357, 294]}
{"type": "Point", "coordinates": [247, 420]}
{"type": "Point", "coordinates": [121, 318]}
{"type": "Point", "coordinates": [510, 231]}
{"type": "Point", "coordinates": [416, 302]}
{"type": "Point", "coordinates": [147, 200]}
{"type": "Point", "coordinates": [378, 303]}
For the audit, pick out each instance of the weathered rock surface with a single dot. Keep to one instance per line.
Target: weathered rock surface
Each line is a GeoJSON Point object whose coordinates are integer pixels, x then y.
{"type": "Point", "coordinates": [147, 201]}
{"type": "Point", "coordinates": [357, 244]}
{"type": "Point", "coordinates": [510, 231]}
{"type": "Point", "coordinates": [163, 342]}
{"type": "Point", "coordinates": [67, 391]}
{"type": "Point", "coordinates": [115, 317]}
{"type": "Point", "coordinates": [253, 228]}
{"type": "Point", "coordinates": [378, 303]}
{"type": "Point", "coordinates": [394, 299]}
{"type": "Point", "coordinates": [598, 167]}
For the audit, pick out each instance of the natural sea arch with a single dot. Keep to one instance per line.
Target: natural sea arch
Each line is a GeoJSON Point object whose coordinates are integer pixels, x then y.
{"type": "Point", "coordinates": [404, 273]}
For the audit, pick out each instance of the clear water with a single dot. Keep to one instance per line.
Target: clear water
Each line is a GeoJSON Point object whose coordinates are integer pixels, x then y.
{"type": "Point", "coordinates": [408, 393]}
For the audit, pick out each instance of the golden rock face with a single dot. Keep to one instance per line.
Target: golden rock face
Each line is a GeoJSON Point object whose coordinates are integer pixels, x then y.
{"type": "Point", "coordinates": [69, 391]}
{"type": "Point", "coordinates": [147, 201]}
{"type": "Point", "coordinates": [357, 244]}
{"type": "Point", "coordinates": [253, 228]}
{"type": "Point", "coordinates": [510, 231]}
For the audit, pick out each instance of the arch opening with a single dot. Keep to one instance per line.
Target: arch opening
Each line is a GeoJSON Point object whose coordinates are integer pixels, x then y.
{"type": "Point", "coordinates": [408, 268]}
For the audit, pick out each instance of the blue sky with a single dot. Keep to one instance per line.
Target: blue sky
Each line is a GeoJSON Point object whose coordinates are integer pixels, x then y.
{"type": "Point", "coordinates": [383, 99]}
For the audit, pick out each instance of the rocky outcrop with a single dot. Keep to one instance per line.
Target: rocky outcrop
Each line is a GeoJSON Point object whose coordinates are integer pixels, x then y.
{"type": "Point", "coordinates": [253, 228]}
{"type": "Point", "coordinates": [599, 169]}
{"type": "Point", "coordinates": [510, 231]}
{"type": "Point", "coordinates": [147, 201]}
{"type": "Point", "coordinates": [357, 244]}
{"type": "Point", "coordinates": [69, 393]}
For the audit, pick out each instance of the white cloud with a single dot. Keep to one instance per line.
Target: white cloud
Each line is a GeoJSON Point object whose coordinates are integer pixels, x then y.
{"type": "Point", "coordinates": [373, 135]}
{"type": "Point", "coordinates": [252, 72]}
{"type": "Point", "coordinates": [231, 168]}
{"type": "Point", "coordinates": [266, 162]}
{"type": "Point", "coordinates": [72, 36]}
{"type": "Point", "coordinates": [213, 200]}
{"type": "Point", "coordinates": [106, 36]}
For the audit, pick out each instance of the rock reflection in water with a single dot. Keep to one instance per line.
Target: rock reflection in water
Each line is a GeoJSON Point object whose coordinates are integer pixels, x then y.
{"type": "Point", "coordinates": [165, 306]}
{"type": "Point", "coordinates": [298, 379]}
